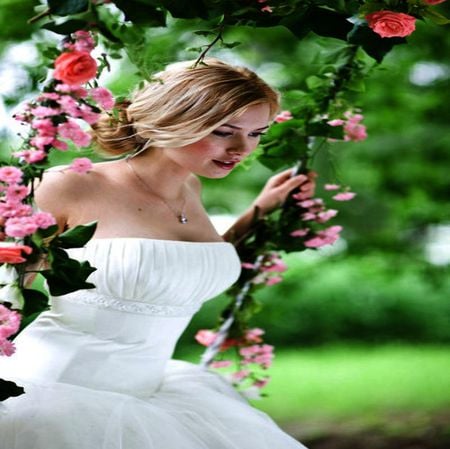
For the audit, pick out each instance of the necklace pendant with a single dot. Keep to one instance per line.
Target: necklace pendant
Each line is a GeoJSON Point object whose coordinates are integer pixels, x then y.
{"type": "Point", "coordinates": [182, 218]}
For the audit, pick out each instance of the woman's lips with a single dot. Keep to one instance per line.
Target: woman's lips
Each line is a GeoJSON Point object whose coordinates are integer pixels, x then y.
{"type": "Point", "coordinates": [225, 165]}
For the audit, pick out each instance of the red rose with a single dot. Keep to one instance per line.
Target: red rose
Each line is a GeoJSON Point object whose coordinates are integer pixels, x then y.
{"type": "Point", "coordinates": [75, 67]}
{"type": "Point", "coordinates": [433, 2]}
{"type": "Point", "coordinates": [391, 24]}
{"type": "Point", "coordinates": [13, 253]}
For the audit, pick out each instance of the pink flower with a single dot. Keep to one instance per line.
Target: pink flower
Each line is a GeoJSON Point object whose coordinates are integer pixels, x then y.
{"type": "Point", "coordinates": [75, 67]}
{"type": "Point", "coordinates": [240, 375]}
{"type": "Point", "coordinates": [266, 8]}
{"type": "Point", "coordinates": [273, 280]}
{"type": "Point", "coordinates": [322, 217]}
{"type": "Point", "coordinates": [391, 24]}
{"type": "Point", "coordinates": [88, 114]}
{"type": "Point", "coordinates": [71, 130]}
{"type": "Point", "coordinates": [336, 122]}
{"type": "Point", "coordinates": [43, 111]}
{"type": "Point", "coordinates": [7, 348]}
{"type": "Point", "coordinates": [78, 91]}
{"type": "Point", "coordinates": [9, 322]}
{"type": "Point", "coordinates": [355, 132]}
{"type": "Point", "coordinates": [84, 41]}
{"type": "Point", "coordinates": [69, 105]}
{"type": "Point", "coordinates": [306, 203]}
{"type": "Point", "coordinates": [14, 209]}
{"type": "Point", "coordinates": [283, 116]}
{"type": "Point", "coordinates": [331, 186]}
{"type": "Point", "coordinates": [103, 97]}
{"type": "Point", "coordinates": [10, 175]}
{"type": "Point", "coordinates": [43, 220]}
{"type": "Point", "coordinates": [274, 265]}
{"type": "Point", "coordinates": [299, 233]}
{"type": "Point", "coordinates": [205, 337]}
{"type": "Point", "coordinates": [344, 196]}
{"type": "Point", "coordinates": [48, 96]}
{"type": "Point", "coordinates": [254, 335]}
{"type": "Point", "coordinates": [308, 216]}
{"type": "Point", "coordinates": [221, 364]}
{"type": "Point", "coordinates": [60, 145]}
{"type": "Point", "coordinates": [248, 265]}
{"type": "Point", "coordinates": [44, 126]}
{"type": "Point", "coordinates": [41, 142]}
{"type": "Point", "coordinates": [261, 383]}
{"type": "Point", "coordinates": [16, 192]}
{"type": "Point", "coordinates": [81, 165]}
{"type": "Point", "coordinates": [20, 226]}
{"type": "Point", "coordinates": [31, 156]}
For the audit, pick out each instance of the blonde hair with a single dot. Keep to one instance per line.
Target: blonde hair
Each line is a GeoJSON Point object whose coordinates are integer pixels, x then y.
{"type": "Point", "coordinates": [181, 105]}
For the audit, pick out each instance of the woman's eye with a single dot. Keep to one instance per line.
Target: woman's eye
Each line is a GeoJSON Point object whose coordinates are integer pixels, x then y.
{"type": "Point", "coordinates": [222, 133]}
{"type": "Point", "coordinates": [258, 134]}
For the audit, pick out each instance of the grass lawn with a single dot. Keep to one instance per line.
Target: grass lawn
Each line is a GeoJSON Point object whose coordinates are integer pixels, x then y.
{"type": "Point", "coordinates": [362, 381]}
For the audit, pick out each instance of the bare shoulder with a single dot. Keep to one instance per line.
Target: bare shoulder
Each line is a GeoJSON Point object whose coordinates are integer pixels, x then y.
{"type": "Point", "coordinates": [61, 189]}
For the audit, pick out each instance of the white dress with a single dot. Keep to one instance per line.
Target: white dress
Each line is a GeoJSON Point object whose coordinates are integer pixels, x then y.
{"type": "Point", "coordinates": [97, 370]}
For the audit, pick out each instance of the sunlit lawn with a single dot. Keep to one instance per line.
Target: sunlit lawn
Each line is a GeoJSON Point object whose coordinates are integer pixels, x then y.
{"type": "Point", "coordinates": [339, 382]}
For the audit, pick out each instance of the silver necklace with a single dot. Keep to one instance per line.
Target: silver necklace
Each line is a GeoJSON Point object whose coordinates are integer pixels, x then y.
{"type": "Point", "coordinates": [181, 216]}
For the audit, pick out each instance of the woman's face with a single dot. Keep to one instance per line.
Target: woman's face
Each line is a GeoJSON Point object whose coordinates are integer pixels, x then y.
{"type": "Point", "coordinates": [217, 154]}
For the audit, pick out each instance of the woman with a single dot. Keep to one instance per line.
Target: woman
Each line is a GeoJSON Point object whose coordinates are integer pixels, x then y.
{"type": "Point", "coordinates": [96, 367]}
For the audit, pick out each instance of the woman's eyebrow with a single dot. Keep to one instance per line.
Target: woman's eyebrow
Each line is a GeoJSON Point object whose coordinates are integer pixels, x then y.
{"type": "Point", "coordinates": [237, 127]}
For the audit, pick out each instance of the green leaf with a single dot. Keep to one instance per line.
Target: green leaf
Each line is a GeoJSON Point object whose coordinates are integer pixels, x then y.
{"type": "Point", "coordinates": [65, 28]}
{"type": "Point", "coordinates": [67, 7]}
{"type": "Point", "coordinates": [314, 82]}
{"type": "Point", "coordinates": [76, 237]}
{"type": "Point", "coordinates": [435, 17]}
{"type": "Point", "coordinates": [140, 14]}
{"type": "Point", "coordinates": [372, 43]}
{"type": "Point", "coordinates": [35, 301]}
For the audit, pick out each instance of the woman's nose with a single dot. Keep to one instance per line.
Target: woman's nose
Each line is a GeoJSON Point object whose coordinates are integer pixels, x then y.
{"type": "Point", "coordinates": [241, 145]}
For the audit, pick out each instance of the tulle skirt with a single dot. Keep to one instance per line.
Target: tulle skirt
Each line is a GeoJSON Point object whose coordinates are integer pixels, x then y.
{"type": "Point", "coordinates": [192, 409]}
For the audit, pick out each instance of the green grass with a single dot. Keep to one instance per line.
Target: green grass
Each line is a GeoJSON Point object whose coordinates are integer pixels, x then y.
{"type": "Point", "coordinates": [345, 382]}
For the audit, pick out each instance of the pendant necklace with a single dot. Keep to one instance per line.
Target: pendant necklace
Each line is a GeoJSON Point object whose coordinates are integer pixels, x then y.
{"type": "Point", "coordinates": [181, 216]}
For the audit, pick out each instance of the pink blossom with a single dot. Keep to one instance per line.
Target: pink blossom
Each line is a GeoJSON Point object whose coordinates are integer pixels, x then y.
{"type": "Point", "coordinates": [261, 383]}
{"type": "Point", "coordinates": [299, 233]}
{"type": "Point", "coordinates": [344, 196]}
{"type": "Point", "coordinates": [248, 265]}
{"type": "Point", "coordinates": [71, 130]}
{"type": "Point", "coordinates": [240, 375]}
{"type": "Point", "coordinates": [10, 175]}
{"type": "Point", "coordinates": [283, 116]}
{"type": "Point", "coordinates": [274, 265]}
{"type": "Point", "coordinates": [103, 97]}
{"type": "Point", "coordinates": [249, 351]}
{"type": "Point", "coordinates": [43, 111]}
{"type": "Point", "coordinates": [81, 165]}
{"type": "Point", "coordinates": [221, 364]}
{"type": "Point", "coordinates": [254, 335]}
{"type": "Point", "coordinates": [69, 105]}
{"type": "Point", "coordinates": [88, 114]}
{"type": "Point", "coordinates": [31, 156]}
{"type": "Point", "coordinates": [60, 145]}
{"type": "Point", "coordinates": [84, 41]}
{"type": "Point", "coordinates": [16, 192]}
{"type": "Point", "coordinates": [20, 226]}
{"type": "Point", "coordinates": [48, 96]}
{"type": "Point", "coordinates": [273, 280]}
{"type": "Point", "coordinates": [331, 186]}
{"type": "Point", "coordinates": [9, 322]}
{"type": "Point", "coordinates": [355, 132]}
{"type": "Point", "coordinates": [43, 220]}
{"type": "Point", "coordinates": [41, 142]}
{"type": "Point", "coordinates": [316, 242]}
{"type": "Point", "coordinates": [205, 337]}
{"type": "Point", "coordinates": [266, 8]}
{"type": "Point", "coordinates": [45, 126]}
{"type": "Point", "coordinates": [336, 122]}
{"type": "Point", "coordinates": [14, 209]}
{"type": "Point", "coordinates": [306, 203]}
{"type": "Point", "coordinates": [308, 216]}
{"type": "Point", "coordinates": [7, 348]}
{"type": "Point", "coordinates": [322, 217]}
{"type": "Point", "coordinates": [78, 91]}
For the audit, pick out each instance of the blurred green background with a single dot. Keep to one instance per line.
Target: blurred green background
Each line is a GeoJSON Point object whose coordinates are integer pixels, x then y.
{"type": "Point", "coordinates": [362, 329]}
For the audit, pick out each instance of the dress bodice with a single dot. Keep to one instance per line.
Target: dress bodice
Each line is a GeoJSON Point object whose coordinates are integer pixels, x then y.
{"type": "Point", "coordinates": [120, 335]}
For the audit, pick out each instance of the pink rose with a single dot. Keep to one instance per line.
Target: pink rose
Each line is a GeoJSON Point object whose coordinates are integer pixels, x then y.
{"type": "Point", "coordinates": [205, 337]}
{"type": "Point", "coordinates": [391, 24]}
{"type": "Point", "coordinates": [7, 348]}
{"type": "Point", "coordinates": [81, 165]}
{"type": "Point", "coordinates": [75, 67]}
{"type": "Point", "coordinates": [283, 116]}
{"type": "Point", "coordinates": [103, 97]}
{"type": "Point", "coordinates": [43, 220]}
{"type": "Point", "coordinates": [11, 175]}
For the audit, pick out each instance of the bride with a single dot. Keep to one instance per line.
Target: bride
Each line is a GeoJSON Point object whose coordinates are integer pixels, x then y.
{"type": "Point", "coordinates": [97, 367]}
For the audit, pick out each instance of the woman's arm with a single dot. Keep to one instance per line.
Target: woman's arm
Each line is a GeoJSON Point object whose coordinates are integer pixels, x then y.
{"type": "Point", "coordinates": [273, 195]}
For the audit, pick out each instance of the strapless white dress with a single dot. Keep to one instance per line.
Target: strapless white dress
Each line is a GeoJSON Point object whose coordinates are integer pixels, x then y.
{"type": "Point", "coordinates": [97, 367]}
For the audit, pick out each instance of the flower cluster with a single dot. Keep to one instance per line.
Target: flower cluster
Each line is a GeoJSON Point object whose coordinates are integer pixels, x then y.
{"type": "Point", "coordinates": [9, 325]}
{"type": "Point", "coordinates": [53, 115]}
{"type": "Point", "coordinates": [254, 358]}
{"type": "Point", "coordinates": [268, 269]}
{"type": "Point", "coordinates": [353, 128]}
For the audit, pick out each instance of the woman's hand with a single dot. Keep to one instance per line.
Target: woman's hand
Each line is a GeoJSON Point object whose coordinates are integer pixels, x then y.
{"type": "Point", "coordinates": [278, 187]}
